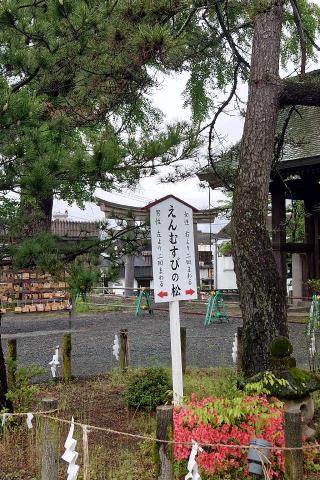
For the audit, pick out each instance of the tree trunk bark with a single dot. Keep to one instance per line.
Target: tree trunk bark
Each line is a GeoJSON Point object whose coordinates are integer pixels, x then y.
{"type": "Point", "coordinates": [38, 217]}
{"type": "Point", "coordinates": [4, 403]}
{"type": "Point", "coordinates": [262, 292]}
{"type": "Point", "coordinates": [46, 206]}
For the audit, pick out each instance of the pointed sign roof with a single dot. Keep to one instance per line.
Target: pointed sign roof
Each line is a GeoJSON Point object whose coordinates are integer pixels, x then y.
{"type": "Point", "coordinates": [170, 196]}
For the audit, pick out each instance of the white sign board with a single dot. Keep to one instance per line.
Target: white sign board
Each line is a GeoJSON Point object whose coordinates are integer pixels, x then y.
{"type": "Point", "coordinates": [173, 258]}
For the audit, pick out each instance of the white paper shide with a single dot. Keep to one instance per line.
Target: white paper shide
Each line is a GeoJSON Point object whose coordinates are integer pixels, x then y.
{"type": "Point", "coordinates": [54, 364]}
{"type": "Point", "coordinates": [235, 349]}
{"type": "Point", "coordinates": [116, 347]}
{"type": "Point", "coordinates": [29, 420]}
{"type": "Point", "coordinates": [193, 471]}
{"type": "Point", "coordinates": [70, 455]}
{"type": "Point", "coordinates": [4, 419]}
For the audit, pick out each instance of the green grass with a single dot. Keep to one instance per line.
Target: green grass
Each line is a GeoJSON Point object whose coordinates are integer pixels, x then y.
{"type": "Point", "coordinates": [115, 305]}
{"type": "Point", "coordinates": [216, 382]}
{"type": "Point", "coordinates": [100, 401]}
{"type": "Point", "coordinates": [204, 382]}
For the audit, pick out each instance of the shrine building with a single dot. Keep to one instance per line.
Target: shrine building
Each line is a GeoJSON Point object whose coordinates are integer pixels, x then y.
{"type": "Point", "coordinates": [296, 176]}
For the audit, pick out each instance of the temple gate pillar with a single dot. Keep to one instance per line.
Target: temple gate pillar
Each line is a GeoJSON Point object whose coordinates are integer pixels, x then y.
{"type": "Point", "coordinates": [279, 227]}
{"type": "Point", "coordinates": [297, 278]}
{"type": "Point", "coordinates": [129, 269]}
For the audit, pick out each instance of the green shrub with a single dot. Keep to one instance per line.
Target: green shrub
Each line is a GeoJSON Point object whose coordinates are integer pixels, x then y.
{"type": "Point", "coordinates": [148, 389]}
{"type": "Point", "coordinates": [23, 394]}
{"type": "Point", "coordinates": [225, 249]}
{"type": "Point", "coordinates": [314, 285]}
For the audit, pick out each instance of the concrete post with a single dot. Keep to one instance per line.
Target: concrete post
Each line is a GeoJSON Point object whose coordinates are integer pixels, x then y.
{"type": "Point", "coordinates": [128, 275]}
{"type": "Point", "coordinates": [129, 268]}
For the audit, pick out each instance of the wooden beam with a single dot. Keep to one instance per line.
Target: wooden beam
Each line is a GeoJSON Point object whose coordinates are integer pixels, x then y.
{"type": "Point", "coordinates": [292, 247]}
{"type": "Point", "coordinates": [301, 92]}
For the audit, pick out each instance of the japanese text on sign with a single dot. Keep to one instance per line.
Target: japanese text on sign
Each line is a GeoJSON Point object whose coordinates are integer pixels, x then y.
{"type": "Point", "coordinates": [173, 251]}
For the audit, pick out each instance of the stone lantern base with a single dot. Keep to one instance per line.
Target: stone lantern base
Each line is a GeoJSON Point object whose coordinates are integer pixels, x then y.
{"type": "Point", "coordinates": [305, 406]}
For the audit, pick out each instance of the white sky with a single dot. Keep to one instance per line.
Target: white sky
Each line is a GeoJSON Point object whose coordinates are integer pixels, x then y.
{"type": "Point", "coordinates": [169, 99]}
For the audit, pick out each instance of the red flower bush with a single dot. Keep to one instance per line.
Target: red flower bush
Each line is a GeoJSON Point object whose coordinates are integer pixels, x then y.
{"type": "Point", "coordinates": [233, 422]}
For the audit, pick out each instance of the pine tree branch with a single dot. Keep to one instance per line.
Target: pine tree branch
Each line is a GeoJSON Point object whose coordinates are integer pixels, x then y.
{"type": "Point", "coordinates": [229, 38]}
{"type": "Point", "coordinates": [305, 32]}
{"type": "Point", "coordinates": [28, 35]}
{"type": "Point", "coordinates": [33, 4]}
{"type": "Point", "coordinates": [186, 23]}
{"type": "Point", "coordinates": [313, 43]}
{"type": "Point", "coordinates": [104, 245]}
{"type": "Point", "coordinates": [215, 118]}
{"type": "Point", "coordinates": [25, 80]}
{"type": "Point", "coordinates": [280, 139]}
{"type": "Point", "coordinates": [302, 36]}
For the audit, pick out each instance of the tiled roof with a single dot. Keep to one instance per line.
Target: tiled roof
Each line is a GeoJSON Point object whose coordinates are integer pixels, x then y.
{"type": "Point", "coordinates": [225, 232]}
{"type": "Point", "coordinates": [302, 139]}
{"type": "Point", "coordinates": [71, 229]}
{"type": "Point", "coordinates": [67, 228]}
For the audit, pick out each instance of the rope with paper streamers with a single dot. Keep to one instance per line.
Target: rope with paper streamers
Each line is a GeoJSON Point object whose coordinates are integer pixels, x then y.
{"type": "Point", "coordinates": [150, 438]}
{"type": "Point", "coordinates": [265, 462]}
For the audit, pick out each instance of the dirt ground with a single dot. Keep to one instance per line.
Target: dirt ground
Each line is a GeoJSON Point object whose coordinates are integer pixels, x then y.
{"type": "Point", "coordinates": [95, 401]}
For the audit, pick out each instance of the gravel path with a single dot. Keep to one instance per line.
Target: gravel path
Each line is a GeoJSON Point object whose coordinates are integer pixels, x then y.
{"type": "Point", "coordinates": [149, 341]}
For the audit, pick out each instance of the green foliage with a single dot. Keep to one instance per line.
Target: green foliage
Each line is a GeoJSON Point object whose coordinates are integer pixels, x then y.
{"type": "Point", "coordinates": [288, 383]}
{"type": "Point", "coordinates": [267, 384]}
{"type": "Point", "coordinates": [310, 15]}
{"type": "Point", "coordinates": [40, 250]}
{"type": "Point", "coordinates": [233, 411]}
{"type": "Point", "coordinates": [81, 278]}
{"type": "Point", "coordinates": [196, 91]}
{"type": "Point", "coordinates": [23, 394]}
{"type": "Point", "coordinates": [84, 67]}
{"type": "Point", "coordinates": [112, 274]}
{"type": "Point", "coordinates": [259, 6]}
{"type": "Point", "coordinates": [295, 228]}
{"type": "Point", "coordinates": [281, 347]}
{"type": "Point", "coordinates": [74, 111]}
{"type": "Point", "coordinates": [225, 248]}
{"type": "Point", "coordinates": [148, 389]}
{"type": "Point", "coordinates": [314, 285]}
{"type": "Point", "coordinates": [116, 305]}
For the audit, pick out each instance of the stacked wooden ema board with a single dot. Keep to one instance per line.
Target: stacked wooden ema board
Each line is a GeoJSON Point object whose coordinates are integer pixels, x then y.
{"type": "Point", "coordinates": [30, 291]}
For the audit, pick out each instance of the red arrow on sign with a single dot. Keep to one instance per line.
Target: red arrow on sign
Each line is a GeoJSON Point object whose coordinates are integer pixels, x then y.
{"type": "Point", "coordinates": [189, 292]}
{"type": "Point", "coordinates": [162, 294]}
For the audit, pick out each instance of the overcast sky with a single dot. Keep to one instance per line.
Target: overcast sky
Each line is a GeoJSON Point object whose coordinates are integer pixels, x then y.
{"type": "Point", "coordinates": [169, 99]}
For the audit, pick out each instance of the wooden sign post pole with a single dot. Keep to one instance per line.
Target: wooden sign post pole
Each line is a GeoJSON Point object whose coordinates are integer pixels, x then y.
{"type": "Point", "coordinates": [174, 270]}
{"type": "Point", "coordinates": [177, 379]}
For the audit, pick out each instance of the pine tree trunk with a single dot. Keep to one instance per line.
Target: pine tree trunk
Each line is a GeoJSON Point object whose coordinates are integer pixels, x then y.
{"type": "Point", "coordinates": [38, 217]}
{"type": "Point", "coordinates": [262, 291]}
{"type": "Point", "coordinates": [46, 206]}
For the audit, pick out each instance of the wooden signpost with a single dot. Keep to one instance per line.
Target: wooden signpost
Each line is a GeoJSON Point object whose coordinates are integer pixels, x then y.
{"type": "Point", "coordinates": [174, 270]}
